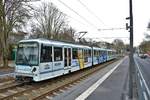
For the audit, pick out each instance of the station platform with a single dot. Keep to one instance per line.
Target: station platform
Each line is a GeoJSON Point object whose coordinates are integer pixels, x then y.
{"type": "Point", "coordinates": [115, 87]}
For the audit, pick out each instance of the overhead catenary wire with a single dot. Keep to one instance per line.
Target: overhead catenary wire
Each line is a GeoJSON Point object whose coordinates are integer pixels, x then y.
{"type": "Point", "coordinates": [77, 20]}
{"type": "Point", "coordinates": [90, 11]}
{"type": "Point", "coordinates": [107, 29]}
{"type": "Point", "coordinates": [103, 39]}
{"type": "Point", "coordinates": [108, 38]}
{"type": "Point", "coordinates": [77, 14]}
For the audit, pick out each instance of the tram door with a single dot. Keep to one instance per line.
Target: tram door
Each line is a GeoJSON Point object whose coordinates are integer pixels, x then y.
{"type": "Point", "coordinates": [67, 57]}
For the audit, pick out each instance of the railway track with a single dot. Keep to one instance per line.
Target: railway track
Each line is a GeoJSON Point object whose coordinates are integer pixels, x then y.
{"type": "Point", "coordinates": [43, 90]}
{"type": "Point", "coordinates": [7, 78]}
{"type": "Point", "coordinates": [3, 84]}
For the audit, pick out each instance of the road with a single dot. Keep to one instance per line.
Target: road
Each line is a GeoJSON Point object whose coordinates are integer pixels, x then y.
{"type": "Point", "coordinates": [144, 72]}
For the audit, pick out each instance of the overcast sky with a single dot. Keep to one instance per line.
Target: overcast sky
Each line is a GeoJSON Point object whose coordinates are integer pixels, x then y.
{"type": "Point", "coordinates": [107, 14]}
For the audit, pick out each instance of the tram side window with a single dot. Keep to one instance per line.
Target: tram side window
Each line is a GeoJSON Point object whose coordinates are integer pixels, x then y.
{"type": "Point", "coordinates": [95, 53]}
{"type": "Point", "coordinates": [74, 53]}
{"type": "Point", "coordinates": [85, 55]}
{"type": "Point", "coordinates": [108, 53]}
{"type": "Point", "coordinates": [46, 54]}
{"type": "Point", "coordinates": [100, 53]}
{"type": "Point", "coordinates": [57, 54]}
{"type": "Point", "coordinates": [104, 52]}
{"type": "Point", "coordinates": [89, 53]}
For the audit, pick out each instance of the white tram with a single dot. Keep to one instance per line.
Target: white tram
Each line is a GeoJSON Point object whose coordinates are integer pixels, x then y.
{"type": "Point", "coordinates": [41, 59]}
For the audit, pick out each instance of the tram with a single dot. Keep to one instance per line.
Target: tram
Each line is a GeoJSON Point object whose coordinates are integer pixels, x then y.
{"type": "Point", "coordinates": [41, 59]}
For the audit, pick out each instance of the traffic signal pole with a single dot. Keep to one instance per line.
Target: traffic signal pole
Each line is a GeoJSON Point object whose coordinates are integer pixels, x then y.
{"type": "Point", "coordinates": [131, 62]}
{"type": "Point", "coordinates": [131, 59]}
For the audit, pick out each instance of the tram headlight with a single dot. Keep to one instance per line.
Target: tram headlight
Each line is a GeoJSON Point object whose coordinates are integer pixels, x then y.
{"type": "Point", "coordinates": [34, 70]}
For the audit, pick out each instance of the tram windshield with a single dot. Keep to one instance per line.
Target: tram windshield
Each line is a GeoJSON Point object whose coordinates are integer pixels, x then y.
{"type": "Point", "coordinates": [27, 54]}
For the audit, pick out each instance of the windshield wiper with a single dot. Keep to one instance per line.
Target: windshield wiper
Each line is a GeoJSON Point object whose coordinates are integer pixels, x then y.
{"type": "Point", "coordinates": [26, 59]}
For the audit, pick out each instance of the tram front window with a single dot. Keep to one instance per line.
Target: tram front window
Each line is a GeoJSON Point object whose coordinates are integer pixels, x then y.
{"type": "Point", "coordinates": [27, 54]}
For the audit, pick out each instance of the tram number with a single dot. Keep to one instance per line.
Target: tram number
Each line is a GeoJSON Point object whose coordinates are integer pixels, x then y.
{"type": "Point", "coordinates": [57, 64]}
{"type": "Point", "coordinates": [47, 67]}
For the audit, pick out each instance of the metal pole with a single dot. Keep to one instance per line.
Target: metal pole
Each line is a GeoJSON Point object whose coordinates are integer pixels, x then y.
{"type": "Point", "coordinates": [131, 62]}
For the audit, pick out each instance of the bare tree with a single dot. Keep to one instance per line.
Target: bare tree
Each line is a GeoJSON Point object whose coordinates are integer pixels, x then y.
{"type": "Point", "coordinates": [13, 14]}
{"type": "Point", "coordinates": [118, 45]}
{"type": "Point", "coordinates": [49, 20]}
{"type": "Point", "coordinates": [67, 34]}
{"type": "Point", "coordinates": [35, 32]}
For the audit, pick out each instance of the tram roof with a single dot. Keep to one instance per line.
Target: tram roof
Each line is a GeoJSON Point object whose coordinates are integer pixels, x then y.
{"type": "Point", "coordinates": [57, 43]}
